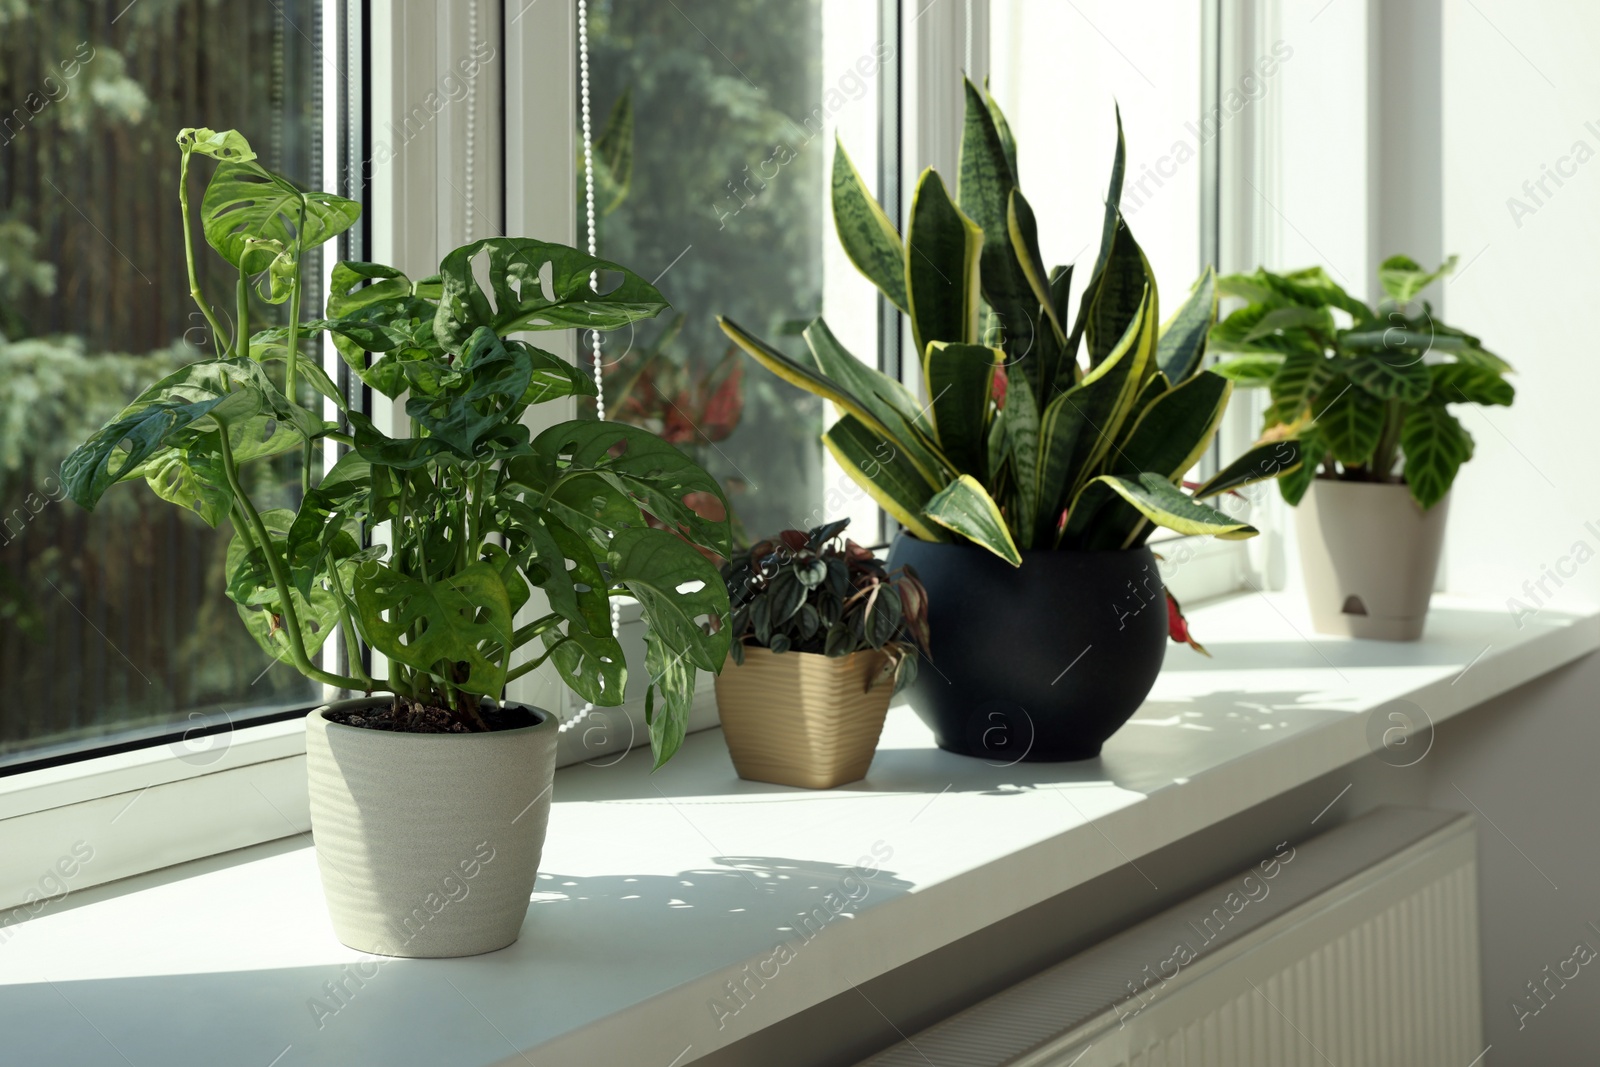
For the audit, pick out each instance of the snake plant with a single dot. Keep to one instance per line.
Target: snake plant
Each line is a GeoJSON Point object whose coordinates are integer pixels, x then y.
{"type": "Point", "coordinates": [1025, 442]}
{"type": "Point", "coordinates": [1367, 400]}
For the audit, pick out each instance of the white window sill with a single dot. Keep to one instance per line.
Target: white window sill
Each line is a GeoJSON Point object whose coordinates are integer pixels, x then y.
{"type": "Point", "coordinates": [659, 889]}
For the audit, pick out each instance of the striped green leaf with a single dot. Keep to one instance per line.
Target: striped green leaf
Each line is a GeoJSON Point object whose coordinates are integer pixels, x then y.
{"type": "Point", "coordinates": [1008, 143]}
{"type": "Point", "coordinates": [1256, 369]}
{"type": "Point", "coordinates": [1165, 505]}
{"type": "Point", "coordinates": [1022, 230]}
{"type": "Point", "coordinates": [1269, 459]}
{"type": "Point", "coordinates": [1079, 426]}
{"type": "Point", "coordinates": [1183, 338]}
{"type": "Point", "coordinates": [1349, 422]}
{"type": "Point", "coordinates": [1294, 317]}
{"type": "Point", "coordinates": [871, 409]}
{"type": "Point", "coordinates": [868, 237]}
{"type": "Point", "coordinates": [1403, 278]}
{"type": "Point", "coordinates": [959, 379]}
{"type": "Point", "coordinates": [890, 401]}
{"type": "Point", "coordinates": [1435, 444]}
{"type": "Point", "coordinates": [1113, 214]}
{"type": "Point", "coordinates": [1021, 441]}
{"type": "Point", "coordinates": [1390, 375]}
{"type": "Point", "coordinates": [1173, 433]}
{"type": "Point", "coordinates": [879, 466]}
{"type": "Point", "coordinates": [1119, 294]}
{"type": "Point", "coordinates": [1466, 383]}
{"type": "Point", "coordinates": [1296, 480]}
{"type": "Point", "coordinates": [943, 248]}
{"type": "Point", "coordinates": [984, 185]}
{"type": "Point", "coordinates": [966, 508]}
{"type": "Point", "coordinates": [1299, 381]}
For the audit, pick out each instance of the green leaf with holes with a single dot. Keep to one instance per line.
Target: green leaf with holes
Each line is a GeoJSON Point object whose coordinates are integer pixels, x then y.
{"type": "Point", "coordinates": [519, 297]}
{"type": "Point", "coordinates": [678, 590]}
{"type": "Point", "coordinates": [445, 627]}
{"type": "Point", "coordinates": [245, 205]}
{"type": "Point", "coordinates": [250, 587]}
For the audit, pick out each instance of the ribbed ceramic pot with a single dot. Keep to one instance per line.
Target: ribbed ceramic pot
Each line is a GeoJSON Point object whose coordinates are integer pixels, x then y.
{"type": "Point", "coordinates": [1041, 662]}
{"type": "Point", "coordinates": [799, 718]}
{"type": "Point", "coordinates": [1370, 555]}
{"type": "Point", "coordinates": [428, 844]}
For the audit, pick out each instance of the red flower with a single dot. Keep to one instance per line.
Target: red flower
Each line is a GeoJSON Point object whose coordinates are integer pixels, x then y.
{"type": "Point", "coordinates": [1178, 626]}
{"type": "Point", "coordinates": [998, 390]}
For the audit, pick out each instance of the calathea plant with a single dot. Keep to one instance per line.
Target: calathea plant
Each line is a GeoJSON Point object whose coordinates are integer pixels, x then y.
{"type": "Point", "coordinates": [1043, 429]}
{"type": "Point", "coordinates": [803, 591]}
{"type": "Point", "coordinates": [476, 513]}
{"type": "Point", "coordinates": [1365, 391]}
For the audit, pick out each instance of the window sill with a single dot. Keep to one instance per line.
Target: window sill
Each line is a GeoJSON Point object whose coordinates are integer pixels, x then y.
{"type": "Point", "coordinates": [659, 890]}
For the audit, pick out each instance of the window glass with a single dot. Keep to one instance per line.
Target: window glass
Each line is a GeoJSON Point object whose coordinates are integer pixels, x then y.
{"type": "Point", "coordinates": [115, 623]}
{"type": "Point", "coordinates": [1059, 71]}
{"type": "Point", "coordinates": [714, 125]}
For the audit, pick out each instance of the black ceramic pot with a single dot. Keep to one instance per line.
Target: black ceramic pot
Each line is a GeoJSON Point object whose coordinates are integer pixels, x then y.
{"type": "Point", "coordinates": [1039, 662]}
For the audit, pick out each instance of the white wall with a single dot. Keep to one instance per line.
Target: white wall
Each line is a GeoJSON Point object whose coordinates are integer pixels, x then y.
{"type": "Point", "coordinates": [1520, 88]}
{"type": "Point", "coordinates": [1517, 88]}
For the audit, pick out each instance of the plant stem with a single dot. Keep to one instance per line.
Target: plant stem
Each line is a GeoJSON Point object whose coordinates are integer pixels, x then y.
{"type": "Point", "coordinates": [294, 335]}
{"type": "Point", "coordinates": [1394, 417]}
{"type": "Point", "coordinates": [533, 664]}
{"type": "Point", "coordinates": [534, 629]}
{"type": "Point", "coordinates": [352, 645]}
{"type": "Point", "coordinates": [188, 255]}
{"type": "Point", "coordinates": [280, 577]}
{"type": "Point", "coordinates": [242, 300]}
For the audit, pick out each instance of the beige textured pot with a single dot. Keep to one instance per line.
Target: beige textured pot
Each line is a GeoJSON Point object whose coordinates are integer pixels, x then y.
{"type": "Point", "coordinates": [803, 719]}
{"type": "Point", "coordinates": [428, 844]}
{"type": "Point", "coordinates": [1370, 555]}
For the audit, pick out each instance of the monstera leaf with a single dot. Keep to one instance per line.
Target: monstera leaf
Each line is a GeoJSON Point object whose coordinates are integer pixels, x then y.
{"type": "Point", "coordinates": [202, 398]}
{"type": "Point", "coordinates": [444, 626]}
{"type": "Point", "coordinates": [679, 590]}
{"type": "Point", "coordinates": [638, 463]}
{"type": "Point", "coordinates": [246, 206]}
{"type": "Point", "coordinates": [250, 586]}
{"type": "Point", "coordinates": [519, 298]}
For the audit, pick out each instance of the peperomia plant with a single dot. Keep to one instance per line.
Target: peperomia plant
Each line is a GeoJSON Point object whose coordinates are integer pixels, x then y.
{"type": "Point", "coordinates": [472, 513]}
{"type": "Point", "coordinates": [805, 592]}
{"type": "Point", "coordinates": [1021, 445]}
{"type": "Point", "coordinates": [1367, 396]}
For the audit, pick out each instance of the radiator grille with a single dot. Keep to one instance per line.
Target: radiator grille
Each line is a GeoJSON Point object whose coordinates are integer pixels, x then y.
{"type": "Point", "coordinates": [1368, 955]}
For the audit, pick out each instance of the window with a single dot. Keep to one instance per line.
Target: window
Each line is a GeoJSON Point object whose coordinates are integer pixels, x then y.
{"type": "Point", "coordinates": [1060, 71]}
{"type": "Point", "coordinates": [113, 625]}
{"type": "Point", "coordinates": [713, 125]}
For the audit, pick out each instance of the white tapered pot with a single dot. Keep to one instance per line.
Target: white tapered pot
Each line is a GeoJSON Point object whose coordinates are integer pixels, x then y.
{"type": "Point", "coordinates": [428, 844]}
{"type": "Point", "coordinates": [1370, 555]}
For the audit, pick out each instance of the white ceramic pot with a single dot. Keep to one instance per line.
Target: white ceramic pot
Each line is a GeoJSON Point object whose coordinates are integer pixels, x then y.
{"type": "Point", "coordinates": [1370, 555]}
{"type": "Point", "coordinates": [428, 844]}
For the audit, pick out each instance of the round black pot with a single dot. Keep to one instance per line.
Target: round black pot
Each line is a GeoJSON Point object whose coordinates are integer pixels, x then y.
{"type": "Point", "coordinates": [1040, 662]}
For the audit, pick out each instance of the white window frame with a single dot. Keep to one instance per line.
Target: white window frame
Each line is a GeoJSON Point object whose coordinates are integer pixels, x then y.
{"type": "Point", "coordinates": [152, 807]}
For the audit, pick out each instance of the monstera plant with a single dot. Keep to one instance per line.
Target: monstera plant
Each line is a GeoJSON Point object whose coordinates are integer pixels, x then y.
{"type": "Point", "coordinates": [1042, 428]}
{"type": "Point", "coordinates": [1367, 393]}
{"type": "Point", "coordinates": [478, 513]}
{"type": "Point", "coordinates": [467, 552]}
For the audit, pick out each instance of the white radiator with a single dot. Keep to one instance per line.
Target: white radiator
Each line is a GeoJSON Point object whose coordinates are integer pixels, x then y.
{"type": "Point", "coordinates": [1357, 947]}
